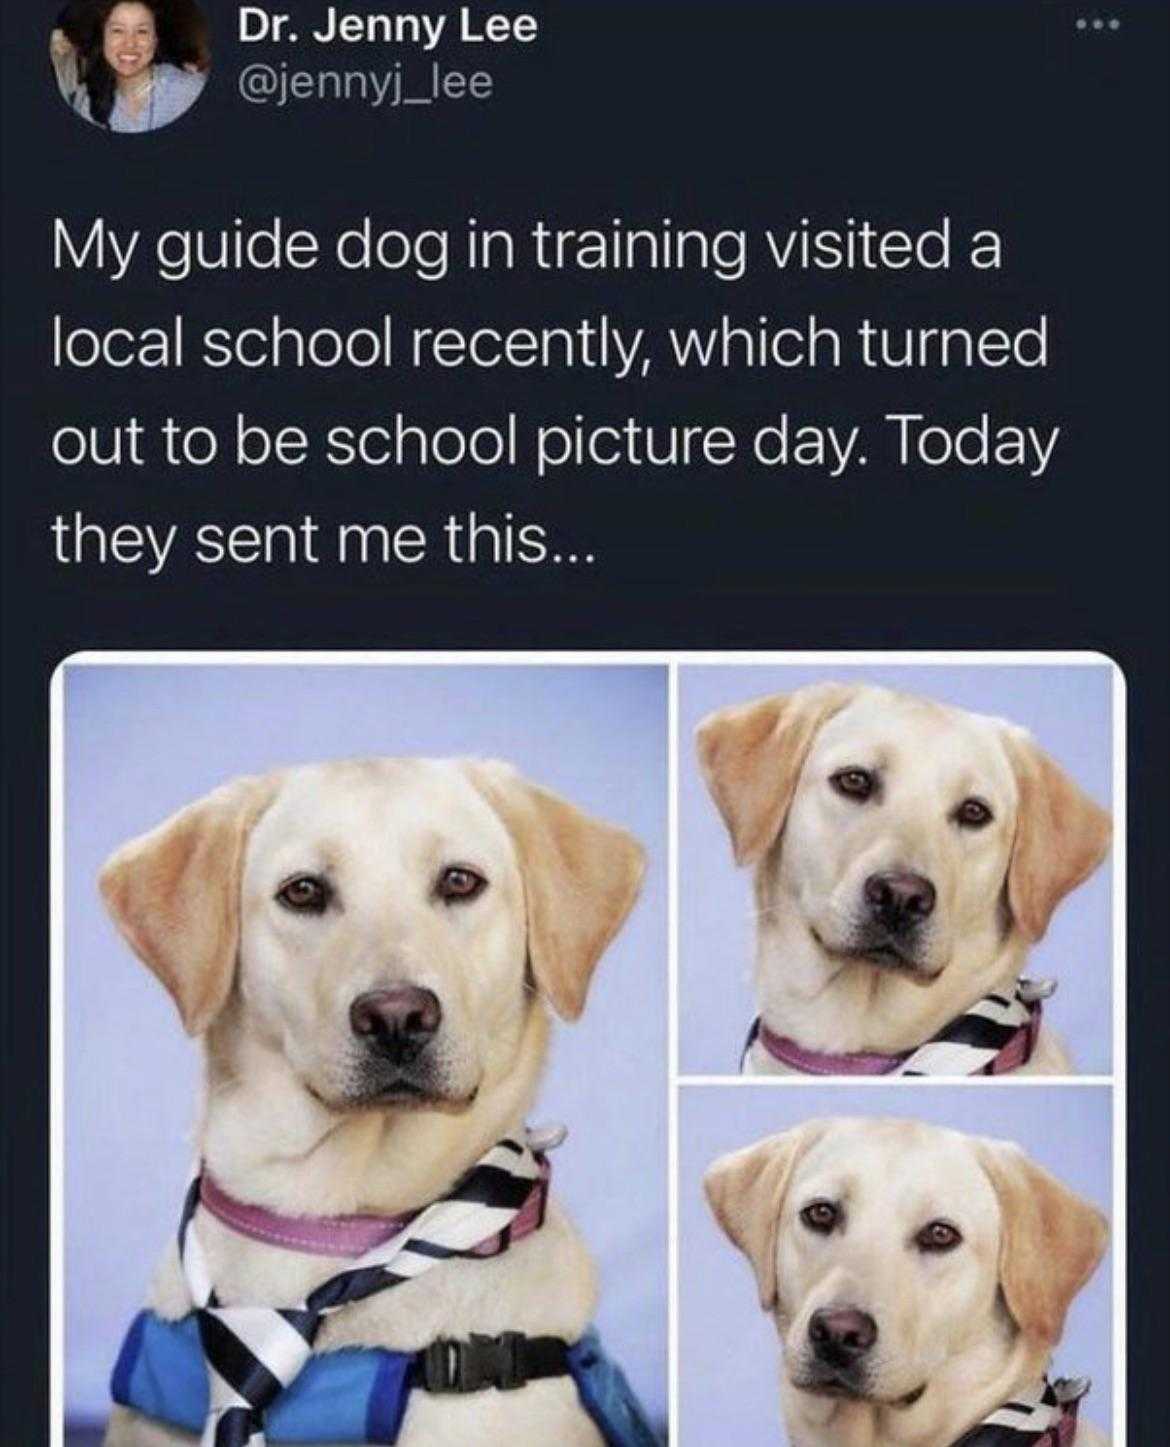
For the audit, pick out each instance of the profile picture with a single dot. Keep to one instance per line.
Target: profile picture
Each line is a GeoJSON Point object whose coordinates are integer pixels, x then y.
{"type": "Point", "coordinates": [130, 65]}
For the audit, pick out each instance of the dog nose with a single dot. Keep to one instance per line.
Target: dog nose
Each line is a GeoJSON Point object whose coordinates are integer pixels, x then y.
{"type": "Point", "coordinates": [399, 1020]}
{"type": "Point", "coordinates": [899, 900]}
{"type": "Point", "coordinates": [843, 1334]}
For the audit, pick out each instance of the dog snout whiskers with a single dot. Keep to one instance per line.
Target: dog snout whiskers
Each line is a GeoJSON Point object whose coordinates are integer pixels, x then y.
{"type": "Point", "coordinates": [842, 1336]}
{"type": "Point", "coordinates": [398, 1022]}
{"type": "Point", "coordinates": [899, 900]}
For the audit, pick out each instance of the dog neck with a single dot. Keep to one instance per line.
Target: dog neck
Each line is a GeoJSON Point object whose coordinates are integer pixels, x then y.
{"type": "Point", "coordinates": [951, 1405]}
{"type": "Point", "coordinates": [269, 1141]}
{"type": "Point", "coordinates": [826, 1003]}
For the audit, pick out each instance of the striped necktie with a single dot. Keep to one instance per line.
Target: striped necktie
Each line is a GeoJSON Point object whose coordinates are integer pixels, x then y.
{"type": "Point", "coordinates": [1044, 1416]}
{"type": "Point", "coordinates": [996, 1035]}
{"type": "Point", "coordinates": [976, 1042]}
{"type": "Point", "coordinates": [254, 1352]}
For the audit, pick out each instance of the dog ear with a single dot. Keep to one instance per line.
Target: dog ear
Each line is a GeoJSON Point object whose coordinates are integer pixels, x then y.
{"type": "Point", "coordinates": [746, 1190]}
{"type": "Point", "coordinates": [751, 756]}
{"type": "Point", "coordinates": [1061, 836]}
{"type": "Point", "coordinates": [175, 895]}
{"type": "Point", "coordinates": [1050, 1240]}
{"type": "Point", "coordinates": [581, 878]}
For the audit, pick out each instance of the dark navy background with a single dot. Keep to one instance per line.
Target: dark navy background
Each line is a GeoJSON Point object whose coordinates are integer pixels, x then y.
{"type": "Point", "coordinates": [720, 114]}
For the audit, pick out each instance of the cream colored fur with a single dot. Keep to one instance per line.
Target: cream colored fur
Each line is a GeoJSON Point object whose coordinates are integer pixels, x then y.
{"type": "Point", "coordinates": [970, 1327]}
{"type": "Point", "coordinates": [270, 991]}
{"type": "Point", "coordinates": [769, 766]}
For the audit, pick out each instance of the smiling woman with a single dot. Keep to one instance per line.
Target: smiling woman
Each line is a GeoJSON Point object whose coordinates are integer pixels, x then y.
{"type": "Point", "coordinates": [131, 65]}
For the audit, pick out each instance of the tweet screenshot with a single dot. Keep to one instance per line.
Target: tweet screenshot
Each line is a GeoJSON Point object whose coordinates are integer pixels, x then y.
{"type": "Point", "coordinates": [585, 633]}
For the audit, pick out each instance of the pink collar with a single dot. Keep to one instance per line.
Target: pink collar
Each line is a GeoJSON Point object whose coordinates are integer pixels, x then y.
{"type": "Point", "coordinates": [352, 1236]}
{"type": "Point", "coordinates": [1016, 1421]}
{"type": "Point", "coordinates": [1064, 1434]}
{"type": "Point", "coordinates": [822, 1062]}
{"type": "Point", "coordinates": [997, 1035]}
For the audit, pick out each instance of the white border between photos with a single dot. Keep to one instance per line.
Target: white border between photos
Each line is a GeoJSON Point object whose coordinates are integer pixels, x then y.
{"type": "Point", "coordinates": [673, 660]}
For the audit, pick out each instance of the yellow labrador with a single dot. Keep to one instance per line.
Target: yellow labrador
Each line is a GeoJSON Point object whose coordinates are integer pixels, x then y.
{"type": "Point", "coordinates": [906, 856]}
{"type": "Point", "coordinates": [919, 1278]}
{"type": "Point", "coordinates": [290, 916]}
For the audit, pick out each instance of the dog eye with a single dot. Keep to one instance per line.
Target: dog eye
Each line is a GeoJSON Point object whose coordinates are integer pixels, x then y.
{"type": "Point", "coordinates": [458, 883]}
{"type": "Point", "coordinates": [973, 814]}
{"type": "Point", "coordinates": [820, 1216]}
{"type": "Point", "coordinates": [854, 783]}
{"type": "Point", "coordinates": [306, 894]}
{"type": "Point", "coordinates": [938, 1236]}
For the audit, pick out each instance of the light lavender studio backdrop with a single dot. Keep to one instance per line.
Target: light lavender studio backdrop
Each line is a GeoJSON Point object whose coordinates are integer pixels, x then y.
{"type": "Point", "coordinates": [1068, 709]}
{"type": "Point", "coordinates": [143, 740]}
{"type": "Point", "coordinates": [728, 1348]}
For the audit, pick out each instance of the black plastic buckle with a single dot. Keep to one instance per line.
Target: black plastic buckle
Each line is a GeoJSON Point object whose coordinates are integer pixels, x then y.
{"type": "Point", "coordinates": [472, 1365]}
{"type": "Point", "coordinates": [440, 1366]}
{"type": "Point", "coordinates": [510, 1372]}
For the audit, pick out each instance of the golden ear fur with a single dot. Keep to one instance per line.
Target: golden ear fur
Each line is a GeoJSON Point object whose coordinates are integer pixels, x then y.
{"type": "Point", "coordinates": [175, 895]}
{"type": "Point", "coordinates": [1051, 1241]}
{"type": "Point", "coordinates": [746, 1190]}
{"type": "Point", "coordinates": [1061, 836]}
{"type": "Point", "coordinates": [751, 756]}
{"type": "Point", "coordinates": [581, 878]}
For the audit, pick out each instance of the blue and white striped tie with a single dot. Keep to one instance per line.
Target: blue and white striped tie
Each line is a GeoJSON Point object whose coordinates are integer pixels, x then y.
{"type": "Point", "coordinates": [1043, 1416]}
{"type": "Point", "coordinates": [254, 1352]}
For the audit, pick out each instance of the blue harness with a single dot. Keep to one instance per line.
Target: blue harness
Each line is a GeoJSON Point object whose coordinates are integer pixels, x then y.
{"type": "Point", "coordinates": [357, 1394]}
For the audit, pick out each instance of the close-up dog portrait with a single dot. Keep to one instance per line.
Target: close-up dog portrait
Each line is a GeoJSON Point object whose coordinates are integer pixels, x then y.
{"type": "Point", "coordinates": [372, 953]}
{"type": "Point", "coordinates": [921, 1285]}
{"type": "Point", "coordinates": [908, 856]}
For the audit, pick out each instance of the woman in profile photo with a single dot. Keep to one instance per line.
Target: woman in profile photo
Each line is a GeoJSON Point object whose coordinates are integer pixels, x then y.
{"type": "Point", "coordinates": [137, 65]}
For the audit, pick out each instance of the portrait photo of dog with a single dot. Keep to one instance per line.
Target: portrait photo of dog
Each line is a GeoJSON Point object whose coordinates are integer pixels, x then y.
{"type": "Point", "coordinates": [926, 850]}
{"type": "Point", "coordinates": [909, 1268]}
{"type": "Point", "coordinates": [372, 950]}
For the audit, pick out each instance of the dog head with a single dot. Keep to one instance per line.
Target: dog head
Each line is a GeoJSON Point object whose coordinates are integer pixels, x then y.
{"type": "Point", "coordinates": [387, 926]}
{"type": "Point", "coordinates": [886, 1249]}
{"type": "Point", "coordinates": [898, 832]}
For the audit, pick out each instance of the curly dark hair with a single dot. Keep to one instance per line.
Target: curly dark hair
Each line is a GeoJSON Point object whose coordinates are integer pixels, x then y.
{"type": "Point", "coordinates": [182, 41]}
